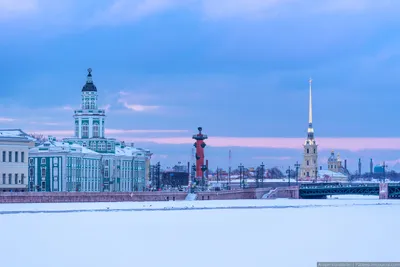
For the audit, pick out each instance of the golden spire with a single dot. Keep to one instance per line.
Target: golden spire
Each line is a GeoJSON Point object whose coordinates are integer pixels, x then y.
{"type": "Point", "coordinates": [310, 104]}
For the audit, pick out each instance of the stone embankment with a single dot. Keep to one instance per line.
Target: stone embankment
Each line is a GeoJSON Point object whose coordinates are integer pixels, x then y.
{"type": "Point", "coordinates": [62, 197]}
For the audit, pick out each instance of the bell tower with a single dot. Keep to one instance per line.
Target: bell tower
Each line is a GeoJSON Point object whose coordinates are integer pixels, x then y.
{"type": "Point", "coordinates": [309, 167]}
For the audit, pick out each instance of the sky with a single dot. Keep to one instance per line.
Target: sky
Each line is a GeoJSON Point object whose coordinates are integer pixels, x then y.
{"type": "Point", "coordinates": [238, 68]}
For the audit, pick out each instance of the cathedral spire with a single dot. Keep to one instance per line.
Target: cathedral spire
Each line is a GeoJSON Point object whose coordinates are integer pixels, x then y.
{"type": "Point", "coordinates": [310, 105]}
{"type": "Point", "coordinates": [310, 127]}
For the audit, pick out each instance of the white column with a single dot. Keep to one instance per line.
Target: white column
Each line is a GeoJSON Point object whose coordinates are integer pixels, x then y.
{"type": "Point", "coordinates": [90, 127]}
{"type": "Point", "coordinates": [80, 127]}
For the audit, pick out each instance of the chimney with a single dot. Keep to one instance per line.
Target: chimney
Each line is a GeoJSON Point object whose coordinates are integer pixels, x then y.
{"type": "Point", "coordinates": [345, 164]}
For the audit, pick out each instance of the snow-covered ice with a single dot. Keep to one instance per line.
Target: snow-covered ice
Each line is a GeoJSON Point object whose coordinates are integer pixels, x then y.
{"type": "Point", "coordinates": [263, 232]}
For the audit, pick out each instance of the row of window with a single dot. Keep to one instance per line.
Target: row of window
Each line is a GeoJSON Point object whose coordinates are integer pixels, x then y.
{"type": "Point", "coordinates": [308, 162]}
{"type": "Point", "coordinates": [85, 130]}
{"type": "Point", "coordinates": [13, 179]}
{"type": "Point", "coordinates": [308, 151]}
{"type": "Point", "coordinates": [10, 157]}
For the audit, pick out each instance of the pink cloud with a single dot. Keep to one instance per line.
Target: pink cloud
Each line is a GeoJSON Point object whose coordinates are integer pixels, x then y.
{"type": "Point", "coordinates": [3, 119]}
{"type": "Point", "coordinates": [110, 132]}
{"type": "Point", "coordinates": [272, 158]}
{"type": "Point", "coordinates": [327, 143]}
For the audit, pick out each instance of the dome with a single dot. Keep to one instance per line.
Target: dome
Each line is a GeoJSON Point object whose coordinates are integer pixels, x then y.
{"type": "Point", "coordinates": [89, 86]}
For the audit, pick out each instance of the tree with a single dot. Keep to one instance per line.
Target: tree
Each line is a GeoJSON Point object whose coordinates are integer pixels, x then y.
{"type": "Point", "coordinates": [40, 138]}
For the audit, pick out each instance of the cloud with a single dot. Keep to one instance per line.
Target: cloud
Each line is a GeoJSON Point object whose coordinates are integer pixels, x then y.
{"type": "Point", "coordinates": [140, 108]}
{"type": "Point", "coordinates": [272, 158]}
{"type": "Point", "coordinates": [251, 9]}
{"type": "Point", "coordinates": [3, 119]}
{"type": "Point", "coordinates": [131, 10]}
{"type": "Point", "coordinates": [342, 143]}
{"type": "Point", "coordinates": [106, 107]}
{"type": "Point", "coordinates": [126, 97]}
{"type": "Point", "coordinates": [47, 123]}
{"type": "Point", "coordinates": [67, 108]}
{"type": "Point", "coordinates": [14, 8]}
{"type": "Point", "coordinates": [69, 133]}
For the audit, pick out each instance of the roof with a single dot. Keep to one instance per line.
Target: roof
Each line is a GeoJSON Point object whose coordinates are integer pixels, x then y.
{"type": "Point", "coordinates": [130, 151]}
{"type": "Point", "coordinates": [15, 135]}
{"type": "Point", "coordinates": [332, 174]}
{"type": "Point", "coordinates": [56, 146]}
{"type": "Point", "coordinates": [89, 86]}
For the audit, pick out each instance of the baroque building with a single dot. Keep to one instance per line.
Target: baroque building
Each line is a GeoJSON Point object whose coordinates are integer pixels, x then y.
{"type": "Point", "coordinates": [14, 148]}
{"type": "Point", "coordinates": [89, 161]}
{"type": "Point", "coordinates": [334, 162]}
{"type": "Point", "coordinates": [309, 166]}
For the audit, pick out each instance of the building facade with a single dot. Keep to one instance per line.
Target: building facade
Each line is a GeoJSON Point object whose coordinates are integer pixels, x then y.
{"type": "Point", "coordinates": [334, 162]}
{"type": "Point", "coordinates": [14, 149]}
{"type": "Point", "coordinates": [89, 161]}
{"type": "Point", "coordinates": [309, 166]}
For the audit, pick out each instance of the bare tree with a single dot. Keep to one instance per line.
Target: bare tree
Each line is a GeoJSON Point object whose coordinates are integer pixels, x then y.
{"type": "Point", "coordinates": [40, 138]}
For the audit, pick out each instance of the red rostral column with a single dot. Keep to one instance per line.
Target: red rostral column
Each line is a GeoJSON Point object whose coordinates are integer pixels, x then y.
{"type": "Point", "coordinates": [199, 145]}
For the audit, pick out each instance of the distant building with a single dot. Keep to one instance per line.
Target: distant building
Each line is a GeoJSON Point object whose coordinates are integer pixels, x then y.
{"type": "Point", "coordinates": [334, 162]}
{"type": "Point", "coordinates": [309, 167]}
{"type": "Point", "coordinates": [89, 161]}
{"type": "Point", "coordinates": [14, 148]}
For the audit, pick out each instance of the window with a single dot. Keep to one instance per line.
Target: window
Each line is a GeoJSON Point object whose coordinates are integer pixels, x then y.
{"type": "Point", "coordinates": [106, 173]}
{"type": "Point", "coordinates": [308, 162]}
{"type": "Point", "coordinates": [4, 156]}
{"type": "Point", "coordinates": [106, 163]}
{"type": "Point", "coordinates": [43, 172]}
{"type": "Point", "coordinates": [84, 144]}
{"type": "Point", "coordinates": [314, 150]}
{"type": "Point", "coordinates": [43, 186]}
{"type": "Point", "coordinates": [92, 104]}
{"type": "Point", "coordinates": [308, 174]}
{"type": "Point", "coordinates": [43, 160]}
{"type": "Point", "coordinates": [308, 150]}
{"type": "Point", "coordinates": [76, 130]}
{"type": "Point", "coordinates": [22, 156]}
{"type": "Point", "coordinates": [4, 178]}
{"type": "Point", "coordinates": [85, 131]}
{"type": "Point", "coordinates": [16, 178]}
{"type": "Point", "coordinates": [22, 178]}
{"type": "Point", "coordinates": [9, 156]}
{"type": "Point", "coordinates": [109, 146]}
{"type": "Point", "coordinates": [96, 130]}
{"type": "Point", "coordinates": [9, 178]}
{"type": "Point", "coordinates": [31, 161]}
{"type": "Point", "coordinates": [31, 172]}
{"type": "Point", "coordinates": [16, 156]}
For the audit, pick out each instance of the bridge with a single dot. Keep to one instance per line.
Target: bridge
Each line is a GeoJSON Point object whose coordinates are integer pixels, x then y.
{"type": "Point", "coordinates": [322, 190]}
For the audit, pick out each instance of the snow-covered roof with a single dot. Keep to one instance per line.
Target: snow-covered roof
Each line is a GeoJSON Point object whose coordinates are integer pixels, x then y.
{"type": "Point", "coordinates": [322, 173]}
{"type": "Point", "coordinates": [56, 146]}
{"type": "Point", "coordinates": [130, 151]}
{"type": "Point", "coordinates": [15, 134]}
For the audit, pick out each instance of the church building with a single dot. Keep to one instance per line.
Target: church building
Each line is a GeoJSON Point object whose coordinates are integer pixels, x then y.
{"type": "Point", "coordinates": [309, 166]}
{"type": "Point", "coordinates": [89, 161]}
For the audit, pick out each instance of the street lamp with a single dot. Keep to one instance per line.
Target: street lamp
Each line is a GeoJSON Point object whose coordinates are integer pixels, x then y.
{"type": "Point", "coordinates": [241, 174]}
{"type": "Point", "coordinates": [288, 172]}
{"type": "Point", "coordinates": [262, 174]}
{"type": "Point", "coordinates": [203, 169]}
{"type": "Point", "coordinates": [297, 165]}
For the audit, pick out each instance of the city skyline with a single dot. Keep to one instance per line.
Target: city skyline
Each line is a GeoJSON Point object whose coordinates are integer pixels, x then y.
{"type": "Point", "coordinates": [165, 67]}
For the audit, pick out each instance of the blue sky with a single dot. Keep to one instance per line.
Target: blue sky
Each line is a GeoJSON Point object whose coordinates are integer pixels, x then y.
{"type": "Point", "coordinates": [238, 68]}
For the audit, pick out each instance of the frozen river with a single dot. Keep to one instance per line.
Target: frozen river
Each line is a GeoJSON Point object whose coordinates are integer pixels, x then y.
{"type": "Point", "coordinates": [199, 233]}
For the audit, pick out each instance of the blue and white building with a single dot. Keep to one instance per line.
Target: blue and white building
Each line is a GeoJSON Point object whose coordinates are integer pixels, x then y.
{"type": "Point", "coordinates": [89, 161]}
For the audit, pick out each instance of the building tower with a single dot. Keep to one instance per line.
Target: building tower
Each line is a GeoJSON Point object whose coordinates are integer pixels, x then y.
{"type": "Point", "coordinates": [199, 145]}
{"type": "Point", "coordinates": [309, 167]}
{"type": "Point", "coordinates": [90, 121]}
